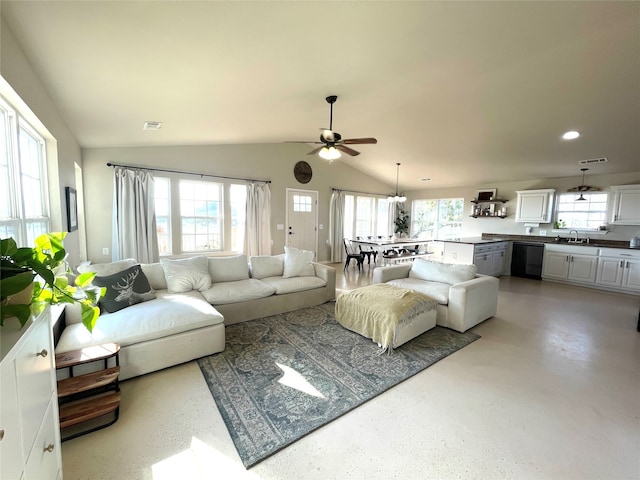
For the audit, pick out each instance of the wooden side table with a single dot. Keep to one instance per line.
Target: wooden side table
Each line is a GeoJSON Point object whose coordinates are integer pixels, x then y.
{"type": "Point", "coordinates": [90, 396]}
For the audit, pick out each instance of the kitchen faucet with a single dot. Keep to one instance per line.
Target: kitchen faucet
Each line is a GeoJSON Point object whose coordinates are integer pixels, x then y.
{"type": "Point", "coordinates": [575, 239]}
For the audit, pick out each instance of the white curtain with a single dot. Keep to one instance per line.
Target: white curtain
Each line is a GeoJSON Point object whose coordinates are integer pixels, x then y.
{"type": "Point", "coordinates": [336, 226]}
{"type": "Point", "coordinates": [134, 219]}
{"type": "Point", "coordinates": [257, 239]}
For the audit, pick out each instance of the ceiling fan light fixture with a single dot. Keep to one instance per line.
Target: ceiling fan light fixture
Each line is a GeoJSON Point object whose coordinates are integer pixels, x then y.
{"type": "Point", "coordinates": [329, 153]}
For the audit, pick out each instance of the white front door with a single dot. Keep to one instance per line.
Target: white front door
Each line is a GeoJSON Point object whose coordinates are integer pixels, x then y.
{"type": "Point", "coordinates": [301, 229]}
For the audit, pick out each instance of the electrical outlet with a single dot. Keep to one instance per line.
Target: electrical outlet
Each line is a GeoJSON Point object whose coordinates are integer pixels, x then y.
{"type": "Point", "coordinates": [105, 251]}
{"type": "Point", "coordinates": [543, 232]}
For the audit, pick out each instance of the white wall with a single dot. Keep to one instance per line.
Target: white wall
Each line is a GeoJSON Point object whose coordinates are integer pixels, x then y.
{"type": "Point", "coordinates": [473, 227]}
{"type": "Point", "coordinates": [64, 151]}
{"type": "Point", "coordinates": [273, 162]}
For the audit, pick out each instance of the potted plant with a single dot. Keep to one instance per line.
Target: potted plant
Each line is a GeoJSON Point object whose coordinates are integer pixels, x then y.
{"type": "Point", "coordinates": [33, 277]}
{"type": "Point", "coordinates": [401, 222]}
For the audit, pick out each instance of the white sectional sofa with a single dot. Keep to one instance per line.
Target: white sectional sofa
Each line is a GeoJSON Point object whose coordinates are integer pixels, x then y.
{"type": "Point", "coordinates": [193, 300]}
{"type": "Point", "coordinates": [464, 297]}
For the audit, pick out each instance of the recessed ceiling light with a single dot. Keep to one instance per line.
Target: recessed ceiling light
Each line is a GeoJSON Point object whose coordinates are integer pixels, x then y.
{"type": "Point", "coordinates": [571, 135]}
{"type": "Point", "coordinates": [152, 126]}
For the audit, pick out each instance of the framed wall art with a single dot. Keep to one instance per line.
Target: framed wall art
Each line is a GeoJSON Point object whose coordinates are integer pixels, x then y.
{"type": "Point", "coordinates": [72, 209]}
{"type": "Point", "coordinates": [486, 195]}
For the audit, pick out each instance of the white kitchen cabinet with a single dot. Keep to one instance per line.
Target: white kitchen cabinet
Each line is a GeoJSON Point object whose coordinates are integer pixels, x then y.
{"type": "Point", "coordinates": [619, 269]}
{"type": "Point", "coordinates": [626, 205]}
{"type": "Point", "coordinates": [489, 258]}
{"type": "Point", "coordinates": [30, 443]}
{"type": "Point", "coordinates": [535, 205]}
{"type": "Point", "coordinates": [569, 263]}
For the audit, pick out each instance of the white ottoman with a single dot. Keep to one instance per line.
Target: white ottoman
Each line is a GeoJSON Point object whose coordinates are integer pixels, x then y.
{"type": "Point", "coordinates": [388, 315]}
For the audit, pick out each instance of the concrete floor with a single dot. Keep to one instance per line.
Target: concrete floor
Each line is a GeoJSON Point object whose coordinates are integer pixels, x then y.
{"type": "Point", "coordinates": [550, 391]}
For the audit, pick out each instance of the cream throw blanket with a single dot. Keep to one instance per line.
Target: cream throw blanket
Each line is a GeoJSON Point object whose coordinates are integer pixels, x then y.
{"type": "Point", "coordinates": [377, 311]}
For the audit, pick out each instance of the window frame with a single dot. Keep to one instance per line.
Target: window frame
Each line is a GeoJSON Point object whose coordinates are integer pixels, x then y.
{"type": "Point", "coordinates": [604, 213]}
{"type": "Point", "coordinates": [438, 225]}
{"type": "Point", "coordinates": [230, 211]}
{"type": "Point", "coordinates": [376, 221]}
{"type": "Point", "coordinates": [19, 224]}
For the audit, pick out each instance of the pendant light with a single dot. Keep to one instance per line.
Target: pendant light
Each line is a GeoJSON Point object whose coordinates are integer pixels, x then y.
{"type": "Point", "coordinates": [582, 187]}
{"type": "Point", "coordinates": [397, 198]}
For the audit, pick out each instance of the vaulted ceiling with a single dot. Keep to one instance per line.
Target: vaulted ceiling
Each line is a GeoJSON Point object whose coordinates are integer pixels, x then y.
{"type": "Point", "coordinates": [464, 93]}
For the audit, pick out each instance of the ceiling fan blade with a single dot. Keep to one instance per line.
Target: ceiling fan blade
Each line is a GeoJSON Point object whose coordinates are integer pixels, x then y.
{"type": "Point", "coordinates": [302, 141]}
{"type": "Point", "coordinates": [315, 150]}
{"type": "Point", "coordinates": [347, 150]}
{"type": "Point", "coordinates": [354, 141]}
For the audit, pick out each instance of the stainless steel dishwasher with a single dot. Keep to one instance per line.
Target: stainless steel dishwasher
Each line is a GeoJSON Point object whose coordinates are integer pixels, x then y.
{"type": "Point", "coordinates": [526, 259]}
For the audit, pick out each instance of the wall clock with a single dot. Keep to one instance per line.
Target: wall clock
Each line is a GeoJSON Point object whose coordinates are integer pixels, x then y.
{"type": "Point", "coordinates": [302, 171]}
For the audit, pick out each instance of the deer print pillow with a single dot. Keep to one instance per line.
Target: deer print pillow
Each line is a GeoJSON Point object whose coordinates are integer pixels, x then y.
{"type": "Point", "coordinates": [124, 289]}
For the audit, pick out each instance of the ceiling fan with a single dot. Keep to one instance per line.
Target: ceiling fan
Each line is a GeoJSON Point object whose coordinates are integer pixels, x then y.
{"type": "Point", "coordinates": [332, 142]}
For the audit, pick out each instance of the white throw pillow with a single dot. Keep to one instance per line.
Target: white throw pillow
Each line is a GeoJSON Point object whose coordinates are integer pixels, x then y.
{"type": "Point", "coordinates": [155, 274]}
{"type": "Point", "coordinates": [263, 266]}
{"type": "Point", "coordinates": [104, 269]}
{"type": "Point", "coordinates": [228, 269]}
{"type": "Point", "coordinates": [297, 263]}
{"type": "Point", "coordinates": [441, 272]}
{"type": "Point", "coordinates": [186, 274]}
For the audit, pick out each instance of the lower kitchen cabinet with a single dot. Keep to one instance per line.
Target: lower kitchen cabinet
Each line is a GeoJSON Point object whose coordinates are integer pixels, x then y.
{"type": "Point", "coordinates": [606, 268]}
{"type": "Point", "coordinates": [619, 269]}
{"type": "Point", "coordinates": [489, 258]}
{"type": "Point", "coordinates": [564, 266]}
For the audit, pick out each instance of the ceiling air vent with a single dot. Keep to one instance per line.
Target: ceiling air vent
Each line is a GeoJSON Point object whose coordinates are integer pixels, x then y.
{"type": "Point", "coordinates": [152, 126]}
{"type": "Point", "coordinates": [592, 161]}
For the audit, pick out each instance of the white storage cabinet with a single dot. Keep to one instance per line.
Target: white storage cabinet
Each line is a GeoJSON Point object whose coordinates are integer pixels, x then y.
{"type": "Point", "coordinates": [29, 433]}
{"type": "Point", "coordinates": [626, 205]}
{"type": "Point", "coordinates": [535, 206]}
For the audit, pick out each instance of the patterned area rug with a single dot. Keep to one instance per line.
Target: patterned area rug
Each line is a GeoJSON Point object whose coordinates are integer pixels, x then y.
{"type": "Point", "coordinates": [281, 377]}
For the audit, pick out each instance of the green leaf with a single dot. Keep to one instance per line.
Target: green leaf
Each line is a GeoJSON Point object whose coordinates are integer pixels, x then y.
{"type": "Point", "coordinates": [21, 312]}
{"type": "Point", "coordinates": [84, 279]}
{"type": "Point", "coordinates": [90, 315]}
{"type": "Point", "coordinates": [15, 284]}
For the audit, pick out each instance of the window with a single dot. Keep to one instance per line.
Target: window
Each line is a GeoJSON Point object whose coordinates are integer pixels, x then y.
{"type": "Point", "coordinates": [586, 214]}
{"type": "Point", "coordinates": [24, 202]}
{"type": "Point", "coordinates": [365, 216]}
{"type": "Point", "coordinates": [436, 219]}
{"type": "Point", "coordinates": [192, 215]}
{"type": "Point", "coordinates": [201, 215]}
{"type": "Point", "coordinates": [301, 203]}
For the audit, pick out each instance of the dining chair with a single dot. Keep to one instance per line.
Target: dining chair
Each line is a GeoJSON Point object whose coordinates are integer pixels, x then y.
{"type": "Point", "coordinates": [352, 254]}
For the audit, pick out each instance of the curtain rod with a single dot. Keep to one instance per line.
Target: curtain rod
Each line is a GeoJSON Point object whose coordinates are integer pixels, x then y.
{"type": "Point", "coordinates": [355, 191]}
{"type": "Point", "coordinates": [185, 173]}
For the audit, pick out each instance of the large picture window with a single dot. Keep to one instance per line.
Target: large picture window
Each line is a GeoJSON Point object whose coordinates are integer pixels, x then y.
{"type": "Point", "coordinates": [587, 214]}
{"type": "Point", "coordinates": [199, 216]}
{"type": "Point", "coordinates": [24, 201]}
{"type": "Point", "coordinates": [436, 219]}
{"type": "Point", "coordinates": [365, 216]}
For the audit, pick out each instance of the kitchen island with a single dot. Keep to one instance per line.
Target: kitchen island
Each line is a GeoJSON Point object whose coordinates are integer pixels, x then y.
{"type": "Point", "coordinates": [491, 256]}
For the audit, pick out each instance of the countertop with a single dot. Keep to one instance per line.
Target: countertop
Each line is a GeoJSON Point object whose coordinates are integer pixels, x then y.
{"type": "Point", "coordinates": [475, 240]}
{"type": "Point", "coordinates": [594, 242]}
